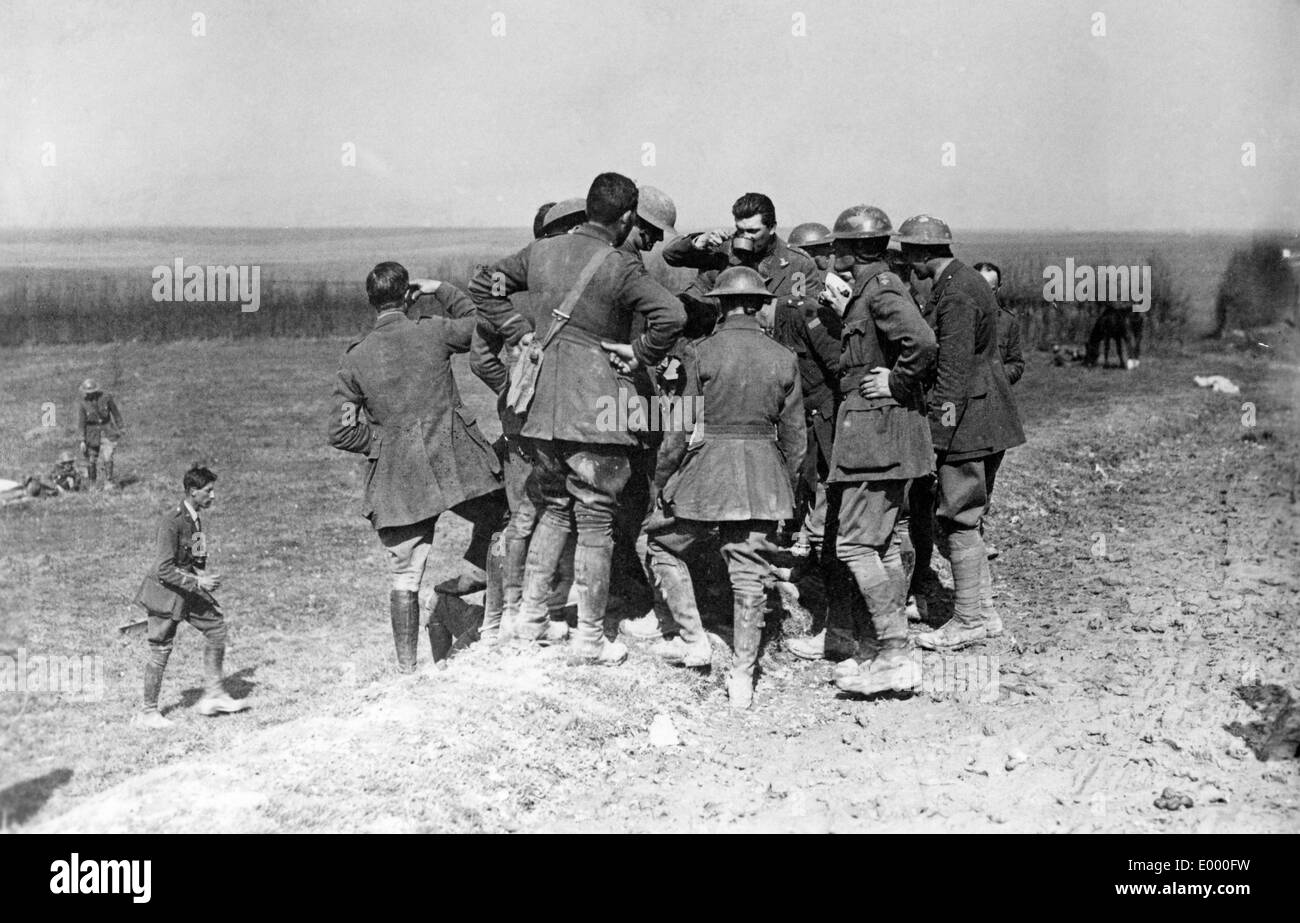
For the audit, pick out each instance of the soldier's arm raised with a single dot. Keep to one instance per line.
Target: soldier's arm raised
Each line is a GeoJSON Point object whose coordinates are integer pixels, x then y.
{"type": "Point", "coordinates": [491, 289]}
{"type": "Point", "coordinates": [455, 302]}
{"type": "Point", "coordinates": [484, 359]}
{"type": "Point", "coordinates": [460, 334]}
{"type": "Point", "coordinates": [349, 430]}
{"type": "Point", "coordinates": [683, 252]}
{"type": "Point", "coordinates": [791, 430]}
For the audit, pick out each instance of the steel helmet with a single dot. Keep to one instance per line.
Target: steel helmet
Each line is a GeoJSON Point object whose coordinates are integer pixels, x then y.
{"type": "Point", "coordinates": [565, 214]}
{"type": "Point", "coordinates": [861, 221]}
{"type": "Point", "coordinates": [65, 458]}
{"type": "Point", "coordinates": [655, 207]}
{"type": "Point", "coordinates": [925, 230]}
{"type": "Point", "coordinates": [810, 234]}
{"type": "Point", "coordinates": [736, 281]}
{"type": "Point", "coordinates": [89, 386]}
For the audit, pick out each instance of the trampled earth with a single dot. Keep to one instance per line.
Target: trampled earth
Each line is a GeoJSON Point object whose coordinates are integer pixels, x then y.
{"type": "Point", "coordinates": [1147, 578]}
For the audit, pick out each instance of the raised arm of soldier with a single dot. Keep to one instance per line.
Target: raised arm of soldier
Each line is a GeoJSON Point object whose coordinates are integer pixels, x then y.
{"type": "Point", "coordinates": [491, 288]}
{"type": "Point", "coordinates": [699, 251]}
{"type": "Point", "coordinates": [446, 300]}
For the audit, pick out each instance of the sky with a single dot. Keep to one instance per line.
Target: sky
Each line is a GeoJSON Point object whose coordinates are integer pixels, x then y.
{"type": "Point", "coordinates": [997, 114]}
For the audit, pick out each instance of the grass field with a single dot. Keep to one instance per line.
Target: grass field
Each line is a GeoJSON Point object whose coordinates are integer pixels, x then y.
{"type": "Point", "coordinates": [88, 286]}
{"type": "Point", "coordinates": [1164, 663]}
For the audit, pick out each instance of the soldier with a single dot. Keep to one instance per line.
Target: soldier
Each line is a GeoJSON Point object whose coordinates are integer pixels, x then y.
{"type": "Point", "coordinates": [656, 219]}
{"type": "Point", "coordinates": [973, 420]}
{"type": "Point", "coordinates": [100, 423]}
{"type": "Point", "coordinates": [881, 441]}
{"type": "Point", "coordinates": [592, 289]}
{"type": "Point", "coordinates": [789, 274]}
{"type": "Point", "coordinates": [737, 474]}
{"type": "Point", "coordinates": [1013, 361]}
{"type": "Point", "coordinates": [396, 402]}
{"type": "Point", "coordinates": [506, 560]}
{"type": "Point", "coordinates": [65, 475]}
{"type": "Point", "coordinates": [814, 239]}
{"type": "Point", "coordinates": [178, 588]}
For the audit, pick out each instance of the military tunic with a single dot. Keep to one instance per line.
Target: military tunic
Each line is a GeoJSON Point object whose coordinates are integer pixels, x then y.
{"type": "Point", "coordinates": [735, 471]}
{"type": "Point", "coordinates": [973, 416]}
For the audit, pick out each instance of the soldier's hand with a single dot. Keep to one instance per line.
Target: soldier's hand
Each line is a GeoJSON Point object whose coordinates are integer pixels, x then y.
{"type": "Point", "coordinates": [620, 356]}
{"type": "Point", "coordinates": [417, 287]}
{"type": "Point", "coordinates": [82, 449]}
{"type": "Point", "coordinates": [710, 239]}
{"type": "Point", "coordinates": [208, 582]}
{"type": "Point", "coordinates": [875, 384]}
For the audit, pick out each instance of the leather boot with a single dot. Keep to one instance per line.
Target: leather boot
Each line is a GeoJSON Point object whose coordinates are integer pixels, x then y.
{"type": "Point", "coordinates": [404, 609]}
{"type": "Point", "coordinates": [882, 584]}
{"type": "Point", "coordinates": [512, 582]}
{"type": "Point", "coordinates": [675, 593]}
{"type": "Point", "coordinates": [440, 638]}
{"type": "Point", "coordinates": [91, 472]}
{"type": "Point", "coordinates": [489, 631]}
{"type": "Point", "coordinates": [215, 699]}
{"type": "Point", "coordinates": [748, 635]}
{"type": "Point", "coordinates": [108, 472]}
{"type": "Point", "coordinates": [591, 566]}
{"type": "Point", "coordinates": [966, 626]}
{"type": "Point", "coordinates": [544, 551]}
{"type": "Point", "coordinates": [154, 667]}
{"type": "Point", "coordinates": [562, 585]}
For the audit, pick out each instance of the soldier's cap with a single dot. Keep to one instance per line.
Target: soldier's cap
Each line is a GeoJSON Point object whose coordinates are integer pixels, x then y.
{"type": "Point", "coordinates": [573, 210]}
{"type": "Point", "coordinates": [65, 458]}
{"type": "Point", "coordinates": [89, 386]}
{"type": "Point", "coordinates": [738, 281]}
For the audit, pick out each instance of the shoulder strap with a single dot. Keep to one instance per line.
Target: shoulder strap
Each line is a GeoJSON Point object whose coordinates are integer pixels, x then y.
{"type": "Point", "coordinates": [562, 313]}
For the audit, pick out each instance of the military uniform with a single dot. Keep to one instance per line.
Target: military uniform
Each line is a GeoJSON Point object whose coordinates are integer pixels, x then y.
{"type": "Point", "coordinates": [880, 443]}
{"type": "Point", "coordinates": [396, 402]}
{"type": "Point", "coordinates": [66, 477]}
{"type": "Point", "coordinates": [817, 348]}
{"type": "Point", "coordinates": [736, 473]}
{"type": "Point", "coordinates": [510, 552]}
{"type": "Point", "coordinates": [973, 420]}
{"type": "Point", "coordinates": [170, 593]}
{"type": "Point", "coordinates": [100, 423]}
{"type": "Point", "coordinates": [581, 463]}
{"type": "Point", "coordinates": [789, 274]}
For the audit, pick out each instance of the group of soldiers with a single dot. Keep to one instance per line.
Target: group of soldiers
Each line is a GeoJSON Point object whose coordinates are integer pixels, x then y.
{"type": "Point", "coordinates": [843, 426]}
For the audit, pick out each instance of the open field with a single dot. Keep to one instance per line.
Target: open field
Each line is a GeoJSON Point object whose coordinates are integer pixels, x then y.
{"type": "Point", "coordinates": [1163, 663]}
{"type": "Point", "coordinates": [95, 286]}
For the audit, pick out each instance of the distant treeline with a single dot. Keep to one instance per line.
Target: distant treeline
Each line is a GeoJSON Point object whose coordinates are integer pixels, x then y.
{"type": "Point", "coordinates": [94, 306]}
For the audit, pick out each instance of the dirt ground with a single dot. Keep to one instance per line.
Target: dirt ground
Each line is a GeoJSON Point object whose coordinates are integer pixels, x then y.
{"type": "Point", "coordinates": [1147, 578]}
